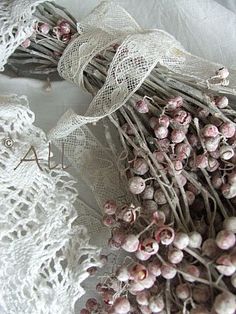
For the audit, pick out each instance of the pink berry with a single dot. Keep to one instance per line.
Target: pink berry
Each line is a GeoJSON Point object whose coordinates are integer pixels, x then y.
{"type": "Point", "coordinates": [191, 271]}
{"type": "Point", "coordinates": [142, 255]}
{"type": "Point", "coordinates": [154, 268]}
{"type": "Point", "coordinates": [131, 243]}
{"type": "Point", "coordinates": [141, 106]}
{"type": "Point", "coordinates": [149, 206]}
{"type": "Point", "coordinates": [228, 191]}
{"type": "Point", "coordinates": [153, 121]}
{"type": "Point", "coordinates": [201, 293]}
{"type": "Point", "coordinates": [121, 305]}
{"type": "Point", "coordinates": [118, 235]}
{"type": "Point", "coordinates": [150, 246]}
{"type": "Point", "coordinates": [225, 266]}
{"type": "Point", "coordinates": [159, 218]}
{"type": "Point", "coordinates": [44, 28]}
{"type": "Point", "coordinates": [136, 185]}
{"type": "Point", "coordinates": [149, 281]}
{"type": "Point", "coordinates": [210, 249]}
{"type": "Point", "coordinates": [212, 143]}
{"type": "Point", "coordinates": [230, 224]}
{"type": "Point", "coordinates": [178, 167]}
{"type": "Point", "coordinates": [148, 193]}
{"type": "Point", "coordinates": [108, 296]}
{"type": "Point", "coordinates": [227, 129]}
{"type": "Point", "coordinates": [140, 166]}
{"type": "Point", "coordinates": [26, 43]}
{"type": "Point", "coordinates": [232, 178]}
{"type": "Point", "coordinates": [215, 154]}
{"type": "Point", "coordinates": [123, 274]}
{"type": "Point", "coordinates": [213, 164]}
{"type": "Point", "coordinates": [138, 272]}
{"type": "Point", "coordinates": [145, 309]}
{"type": "Point", "coordinates": [175, 255]}
{"type": "Point", "coordinates": [181, 240]}
{"type": "Point", "coordinates": [174, 103]}
{"type": "Point", "coordinates": [168, 271]}
{"type": "Point", "coordinates": [92, 304]}
{"type": "Point", "coordinates": [166, 210]}
{"type": "Point", "coordinates": [142, 298]}
{"type": "Point", "coordinates": [108, 220]}
{"type": "Point", "coordinates": [192, 188]}
{"type": "Point", "coordinates": [201, 161]}
{"type": "Point", "coordinates": [64, 27]}
{"type": "Point", "coordinates": [210, 130]}
{"type": "Point", "coordinates": [135, 287]}
{"type": "Point", "coordinates": [225, 303]}
{"type": "Point", "coordinates": [165, 235]}
{"type": "Point", "coordinates": [225, 239]}
{"type": "Point", "coordinates": [160, 197]}
{"type": "Point", "coordinates": [183, 151]}
{"type": "Point", "coordinates": [128, 214]}
{"type": "Point", "coordinates": [195, 240]}
{"type": "Point", "coordinates": [182, 291]}
{"type": "Point", "coordinates": [177, 136]}
{"type": "Point", "coordinates": [156, 304]}
{"type": "Point", "coordinates": [66, 38]}
{"type": "Point", "coordinates": [182, 117]}
{"type": "Point", "coordinates": [164, 121]}
{"type": "Point", "coordinates": [161, 132]}
{"type": "Point", "coordinates": [221, 102]}
{"type": "Point", "coordinates": [110, 207]}
{"type": "Point", "coordinates": [159, 156]}
{"type": "Point", "coordinates": [217, 181]}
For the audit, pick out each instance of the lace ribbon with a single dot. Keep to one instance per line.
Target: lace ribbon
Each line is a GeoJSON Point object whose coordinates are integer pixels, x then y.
{"type": "Point", "coordinates": [140, 51]}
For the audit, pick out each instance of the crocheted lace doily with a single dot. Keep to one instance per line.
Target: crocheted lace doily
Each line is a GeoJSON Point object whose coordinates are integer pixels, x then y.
{"type": "Point", "coordinates": [45, 251]}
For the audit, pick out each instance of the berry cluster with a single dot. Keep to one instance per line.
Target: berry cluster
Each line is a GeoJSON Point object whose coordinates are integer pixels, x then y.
{"type": "Point", "coordinates": [180, 232]}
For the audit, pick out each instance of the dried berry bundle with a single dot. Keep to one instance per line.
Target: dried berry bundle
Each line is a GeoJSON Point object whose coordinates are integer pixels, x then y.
{"type": "Point", "coordinates": [39, 55]}
{"type": "Point", "coordinates": [179, 149]}
{"type": "Point", "coordinates": [179, 143]}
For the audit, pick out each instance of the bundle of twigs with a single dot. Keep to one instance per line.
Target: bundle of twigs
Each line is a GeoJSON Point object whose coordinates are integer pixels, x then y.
{"type": "Point", "coordinates": [179, 144]}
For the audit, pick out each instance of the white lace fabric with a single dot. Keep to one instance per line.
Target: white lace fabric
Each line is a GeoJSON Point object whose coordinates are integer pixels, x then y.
{"type": "Point", "coordinates": [16, 24]}
{"type": "Point", "coordinates": [45, 254]}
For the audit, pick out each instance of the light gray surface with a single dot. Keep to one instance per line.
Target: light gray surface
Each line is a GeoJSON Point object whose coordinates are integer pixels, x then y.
{"type": "Point", "coordinates": [205, 27]}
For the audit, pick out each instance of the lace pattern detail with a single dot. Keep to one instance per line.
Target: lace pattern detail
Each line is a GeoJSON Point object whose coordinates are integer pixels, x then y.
{"type": "Point", "coordinates": [45, 251]}
{"type": "Point", "coordinates": [16, 24]}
